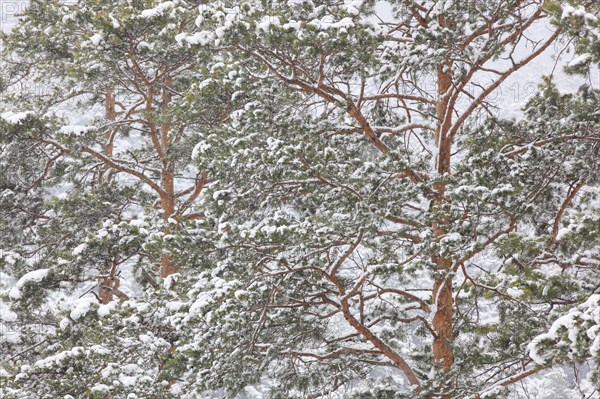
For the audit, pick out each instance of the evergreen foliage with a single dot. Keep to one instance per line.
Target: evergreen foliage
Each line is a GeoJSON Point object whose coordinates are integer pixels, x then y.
{"type": "Point", "coordinates": [296, 199]}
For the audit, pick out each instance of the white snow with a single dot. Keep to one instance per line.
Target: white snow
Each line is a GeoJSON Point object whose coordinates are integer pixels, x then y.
{"type": "Point", "coordinates": [180, 37]}
{"type": "Point", "coordinates": [144, 45]}
{"type": "Point", "coordinates": [35, 276]}
{"type": "Point", "coordinates": [450, 238]}
{"type": "Point", "coordinates": [15, 293]}
{"type": "Point", "coordinates": [9, 256]}
{"type": "Point", "coordinates": [572, 323]}
{"type": "Point", "coordinates": [100, 388]}
{"type": "Point", "coordinates": [82, 307]}
{"type": "Point", "coordinates": [267, 22]}
{"type": "Point", "coordinates": [6, 314]}
{"type": "Point", "coordinates": [202, 38]}
{"type": "Point", "coordinates": [76, 130]}
{"type": "Point", "coordinates": [96, 39]}
{"type": "Point", "coordinates": [158, 10]}
{"type": "Point", "coordinates": [50, 361]}
{"type": "Point", "coordinates": [563, 231]}
{"type": "Point", "coordinates": [200, 148]}
{"type": "Point", "coordinates": [138, 223]}
{"type": "Point", "coordinates": [79, 249]}
{"type": "Point", "coordinates": [115, 23]}
{"type": "Point", "coordinates": [64, 323]}
{"type": "Point", "coordinates": [127, 381]}
{"type": "Point", "coordinates": [515, 292]}
{"type": "Point", "coordinates": [582, 59]}
{"type": "Point", "coordinates": [105, 309]}
{"type": "Point", "coordinates": [15, 117]}
{"type": "Point", "coordinates": [569, 10]}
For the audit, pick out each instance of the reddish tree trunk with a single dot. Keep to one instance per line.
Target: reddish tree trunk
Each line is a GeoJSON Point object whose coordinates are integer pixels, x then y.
{"type": "Point", "coordinates": [167, 181]}
{"type": "Point", "coordinates": [443, 355]}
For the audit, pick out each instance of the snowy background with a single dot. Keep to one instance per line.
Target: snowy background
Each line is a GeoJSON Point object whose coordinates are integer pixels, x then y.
{"type": "Point", "coordinates": [507, 101]}
{"type": "Point", "coordinates": [508, 98]}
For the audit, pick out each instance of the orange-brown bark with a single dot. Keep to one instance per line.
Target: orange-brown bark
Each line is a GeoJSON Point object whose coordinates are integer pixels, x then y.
{"type": "Point", "coordinates": [442, 294]}
{"type": "Point", "coordinates": [167, 267]}
{"type": "Point", "coordinates": [108, 286]}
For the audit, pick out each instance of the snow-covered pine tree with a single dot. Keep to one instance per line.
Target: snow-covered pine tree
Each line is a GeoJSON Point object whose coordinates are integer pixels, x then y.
{"type": "Point", "coordinates": [384, 233]}
{"type": "Point", "coordinates": [116, 65]}
{"type": "Point", "coordinates": [97, 181]}
{"type": "Point", "coordinates": [370, 229]}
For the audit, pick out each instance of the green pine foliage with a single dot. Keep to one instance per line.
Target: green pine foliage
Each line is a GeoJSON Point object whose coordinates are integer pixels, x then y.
{"type": "Point", "coordinates": [295, 199]}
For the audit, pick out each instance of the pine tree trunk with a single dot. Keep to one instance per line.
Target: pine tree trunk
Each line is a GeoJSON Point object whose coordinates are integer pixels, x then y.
{"type": "Point", "coordinates": [168, 206]}
{"type": "Point", "coordinates": [111, 115]}
{"type": "Point", "coordinates": [108, 286]}
{"type": "Point", "coordinates": [443, 356]}
{"type": "Point", "coordinates": [167, 181]}
{"type": "Point", "coordinates": [107, 283]}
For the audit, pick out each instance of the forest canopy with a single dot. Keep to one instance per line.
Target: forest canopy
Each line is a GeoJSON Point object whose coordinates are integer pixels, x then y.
{"type": "Point", "coordinates": [299, 199]}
